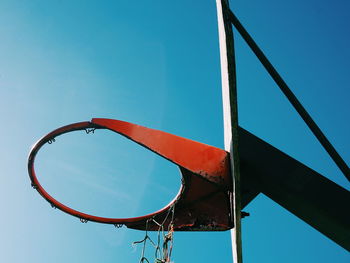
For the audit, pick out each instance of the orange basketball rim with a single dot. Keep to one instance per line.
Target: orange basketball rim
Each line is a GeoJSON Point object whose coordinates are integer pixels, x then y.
{"type": "Point", "coordinates": [204, 201]}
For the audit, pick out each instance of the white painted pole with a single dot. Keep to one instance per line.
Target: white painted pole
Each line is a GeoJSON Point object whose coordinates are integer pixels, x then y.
{"type": "Point", "coordinates": [229, 97]}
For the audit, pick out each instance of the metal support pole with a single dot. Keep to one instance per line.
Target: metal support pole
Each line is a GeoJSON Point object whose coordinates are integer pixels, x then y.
{"type": "Point", "coordinates": [290, 96]}
{"type": "Point", "coordinates": [229, 96]}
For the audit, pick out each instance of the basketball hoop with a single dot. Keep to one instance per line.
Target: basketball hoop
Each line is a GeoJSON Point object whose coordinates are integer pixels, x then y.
{"type": "Point", "coordinates": [203, 202]}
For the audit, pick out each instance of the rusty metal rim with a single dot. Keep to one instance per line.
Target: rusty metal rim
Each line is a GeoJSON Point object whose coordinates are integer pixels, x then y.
{"type": "Point", "coordinates": [55, 203]}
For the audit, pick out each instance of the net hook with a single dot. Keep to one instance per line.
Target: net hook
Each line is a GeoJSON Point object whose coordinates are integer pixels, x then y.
{"type": "Point", "coordinates": [51, 141]}
{"type": "Point", "coordinates": [83, 220]}
{"type": "Point", "coordinates": [90, 130]}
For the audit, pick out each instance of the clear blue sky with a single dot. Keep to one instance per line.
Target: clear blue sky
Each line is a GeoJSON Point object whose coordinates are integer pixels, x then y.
{"type": "Point", "coordinates": [156, 63]}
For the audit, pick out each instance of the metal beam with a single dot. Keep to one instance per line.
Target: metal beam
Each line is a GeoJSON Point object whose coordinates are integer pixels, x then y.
{"type": "Point", "coordinates": [307, 194]}
{"type": "Point", "coordinates": [229, 97]}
